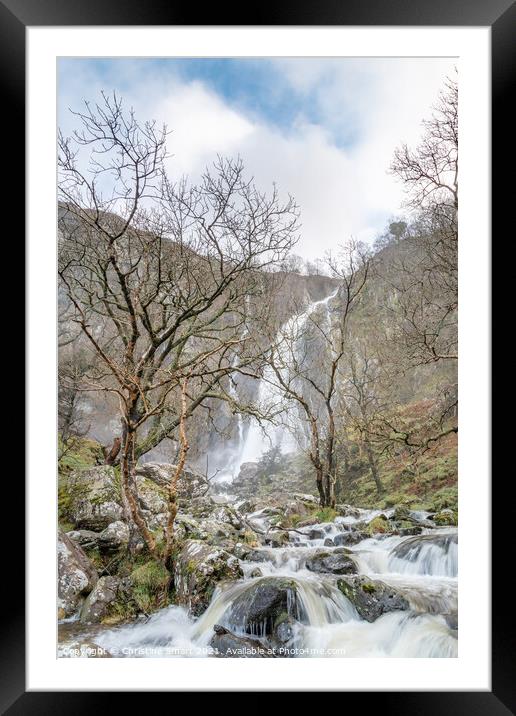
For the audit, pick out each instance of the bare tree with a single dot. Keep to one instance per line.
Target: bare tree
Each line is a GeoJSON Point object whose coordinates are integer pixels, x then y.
{"type": "Point", "coordinates": [74, 364]}
{"type": "Point", "coordinates": [425, 276]}
{"type": "Point", "coordinates": [166, 281]}
{"type": "Point", "coordinates": [366, 398]}
{"type": "Point", "coordinates": [430, 172]}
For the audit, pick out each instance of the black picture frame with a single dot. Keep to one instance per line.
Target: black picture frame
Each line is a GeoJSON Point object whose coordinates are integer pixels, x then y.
{"type": "Point", "coordinates": [500, 16]}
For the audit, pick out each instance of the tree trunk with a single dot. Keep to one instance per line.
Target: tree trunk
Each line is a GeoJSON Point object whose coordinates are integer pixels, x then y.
{"type": "Point", "coordinates": [172, 492]}
{"type": "Point", "coordinates": [374, 469]}
{"type": "Point", "coordinates": [128, 490]}
{"type": "Point", "coordinates": [330, 458]}
{"type": "Point", "coordinates": [320, 485]}
{"type": "Point", "coordinates": [111, 455]}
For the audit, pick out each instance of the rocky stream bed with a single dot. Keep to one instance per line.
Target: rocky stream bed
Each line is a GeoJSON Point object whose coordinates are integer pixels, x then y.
{"type": "Point", "coordinates": [365, 583]}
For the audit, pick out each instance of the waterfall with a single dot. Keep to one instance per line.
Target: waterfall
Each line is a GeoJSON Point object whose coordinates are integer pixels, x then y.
{"type": "Point", "coordinates": [259, 439]}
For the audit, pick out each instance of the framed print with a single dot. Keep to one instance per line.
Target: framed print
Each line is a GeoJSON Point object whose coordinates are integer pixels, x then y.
{"type": "Point", "coordinates": [258, 266]}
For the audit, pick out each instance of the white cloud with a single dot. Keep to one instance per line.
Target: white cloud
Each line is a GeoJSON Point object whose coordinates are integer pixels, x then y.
{"type": "Point", "coordinates": [342, 190]}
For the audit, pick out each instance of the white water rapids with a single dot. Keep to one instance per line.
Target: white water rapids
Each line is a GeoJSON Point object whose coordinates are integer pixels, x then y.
{"type": "Point", "coordinates": [423, 569]}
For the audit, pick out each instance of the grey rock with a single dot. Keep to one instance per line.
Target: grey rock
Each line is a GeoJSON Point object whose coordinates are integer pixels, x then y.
{"type": "Point", "coordinates": [76, 576]}
{"type": "Point", "coordinates": [99, 599]}
{"type": "Point", "coordinates": [351, 537]}
{"type": "Point", "coordinates": [228, 645]}
{"type": "Point", "coordinates": [93, 497]}
{"type": "Point", "coordinates": [84, 537]}
{"type": "Point", "coordinates": [371, 598]}
{"type": "Point", "coordinates": [452, 620]}
{"type": "Point", "coordinates": [334, 562]}
{"type": "Point", "coordinates": [190, 484]}
{"type": "Point", "coordinates": [114, 536]}
{"type": "Point", "coordinates": [262, 605]}
{"type": "Point", "coordinates": [198, 569]}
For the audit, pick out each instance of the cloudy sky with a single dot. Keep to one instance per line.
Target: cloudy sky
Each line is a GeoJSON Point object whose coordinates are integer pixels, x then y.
{"type": "Point", "coordinates": [323, 130]}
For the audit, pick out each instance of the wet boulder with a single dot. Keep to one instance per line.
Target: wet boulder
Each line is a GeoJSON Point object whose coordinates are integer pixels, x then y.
{"type": "Point", "coordinates": [99, 600]}
{"type": "Point", "coordinates": [452, 620]}
{"type": "Point", "coordinates": [76, 576]}
{"type": "Point", "coordinates": [228, 645]}
{"type": "Point", "coordinates": [308, 522]}
{"type": "Point", "coordinates": [347, 511]}
{"type": "Point", "coordinates": [277, 538]}
{"type": "Point", "coordinates": [198, 569]}
{"type": "Point", "coordinates": [349, 537]}
{"type": "Point", "coordinates": [411, 548]}
{"type": "Point", "coordinates": [258, 555]}
{"type": "Point", "coordinates": [371, 598]}
{"type": "Point", "coordinates": [410, 531]}
{"type": "Point", "coordinates": [90, 498]}
{"type": "Point", "coordinates": [433, 554]}
{"type": "Point", "coordinates": [285, 630]}
{"type": "Point", "coordinates": [317, 533]}
{"type": "Point", "coordinates": [263, 605]}
{"type": "Point", "coordinates": [338, 561]}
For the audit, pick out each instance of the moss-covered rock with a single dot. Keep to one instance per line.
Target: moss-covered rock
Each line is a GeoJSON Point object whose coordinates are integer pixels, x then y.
{"type": "Point", "coordinates": [446, 518]}
{"type": "Point", "coordinates": [190, 485]}
{"type": "Point", "coordinates": [338, 561]}
{"type": "Point", "coordinates": [371, 598]}
{"type": "Point", "coordinates": [380, 525]}
{"type": "Point", "coordinates": [90, 498]}
{"type": "Point", "coordinates": [263, 605]}
{"type": "Point", "coordinates": [198, 568]}
{"type": "Point", "coordinates": [401, 513]}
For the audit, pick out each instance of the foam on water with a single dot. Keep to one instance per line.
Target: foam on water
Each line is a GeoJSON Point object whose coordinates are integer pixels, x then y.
{"type": "Point", "coordinates": [330, 624]}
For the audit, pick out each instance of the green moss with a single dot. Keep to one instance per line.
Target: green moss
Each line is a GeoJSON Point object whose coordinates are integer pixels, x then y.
{"type": "Point", "coordinates": [380, 525]}
{"type": "Point", "coordinates": [369, 588]}
{"type": "Point", "coordinates": [150, 582]}
{"type": "Point", "coordinates": [447, 497]}
{"type": "Point", "coordinates": [283, 616]}
{"type": "Point", "coordinates": [430, 483]}
{"type": "Point", "coordinates": [346, 589]}
{"type": "Point", "coordinates": [250, 538]}
{"type": "Point", "coordinates": [77, 454]}
{"type": "Point", "coordinates": [326, 514]}
{"type": "Point", "coordinates": [446, 518]}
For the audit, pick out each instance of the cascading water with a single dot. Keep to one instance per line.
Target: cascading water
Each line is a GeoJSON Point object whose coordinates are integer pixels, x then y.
{"type": "Point", "coordinates": [422, 568]}
{"type": "Point", "coordinates": [257, 440]}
